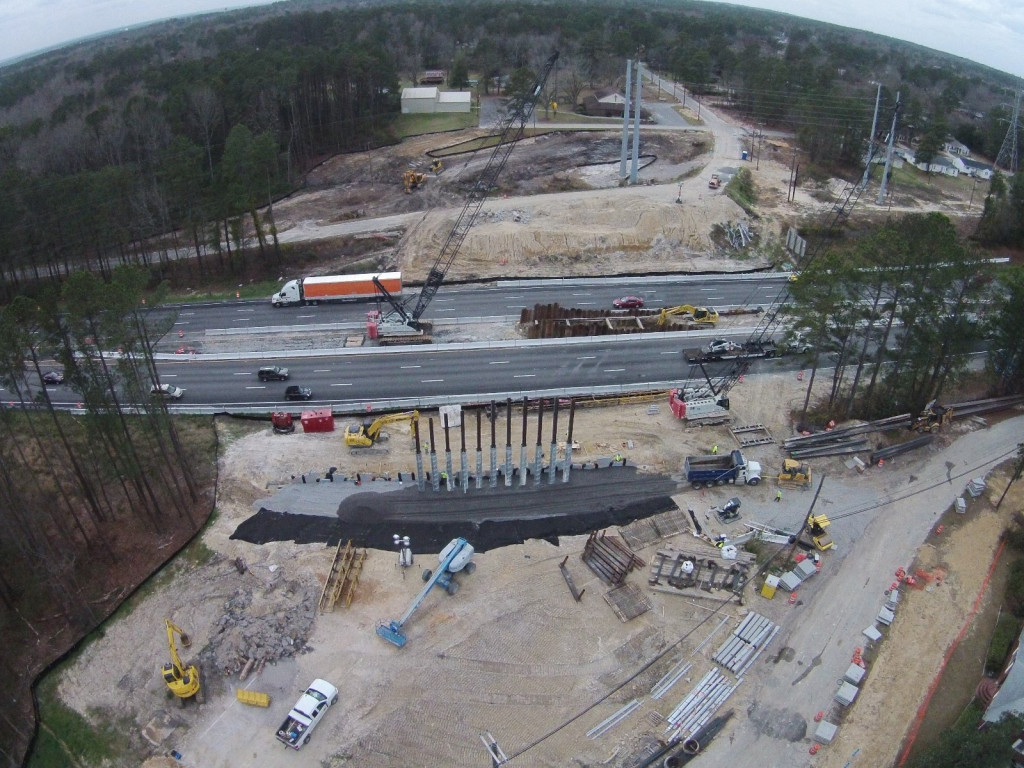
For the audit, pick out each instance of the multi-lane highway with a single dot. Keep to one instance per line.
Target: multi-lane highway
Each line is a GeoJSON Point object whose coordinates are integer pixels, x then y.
{"type": "Point", "coordinates": [354, 377]}
{"type": "Point", "coordinates": [498, 299]}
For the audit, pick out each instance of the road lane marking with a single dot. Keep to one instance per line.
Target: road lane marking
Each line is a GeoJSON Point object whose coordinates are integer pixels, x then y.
{"type": "Point", "coordinates": [524, 376]}
{"type": "Point", "coordinates": [499, 362]}
{"type": "Point", "coordinates": [245, 310]}
{"type": "Point", "coordinates": [303, 317]}
{"type": "Point", "coordinates": [410, 366]}
{"type": "Point", "coordinates": [321, 370]}
{"type": "Point", "coordinates": [614, 370]}
{"type": "Point", "coordinates": [242, 374]}
{"type": "Point", "coordinates": [342, 385]}
{"type": "Point", "coordinates": [182, 323]}
{"type": "Point", "coordinates": [587, 357]}
{"type": "Point", "coordinates": [430, 381]}
{"type": "Point", "coordinates": [255, 387]}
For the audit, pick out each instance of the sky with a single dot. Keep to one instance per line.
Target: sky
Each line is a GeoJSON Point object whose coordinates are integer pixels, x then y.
{"type": "Point", "coordinates": [990, 32]}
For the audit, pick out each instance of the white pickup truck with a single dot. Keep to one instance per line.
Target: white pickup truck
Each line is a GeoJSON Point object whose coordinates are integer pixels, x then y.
{"type": "Point", "coordinates": [307, 713]}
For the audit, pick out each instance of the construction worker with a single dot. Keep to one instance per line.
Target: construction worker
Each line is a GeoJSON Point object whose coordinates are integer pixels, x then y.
{"type": "Point", "coordinates": [714, 449]}
{"type": "Point", "coordinates": [618, 458]}
{"type": "Point", "coordinates": [778, 495]}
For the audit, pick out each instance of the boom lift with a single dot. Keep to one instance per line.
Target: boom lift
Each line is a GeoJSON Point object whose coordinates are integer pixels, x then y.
{"type": "Point", "coordinates": [367, 433]}
{"type": "Point", "coordinates": [405, 321]}
{"type": "Point", "coordinates": [456, 556]}
{"type": "Point", "coordinates": [182, 681]}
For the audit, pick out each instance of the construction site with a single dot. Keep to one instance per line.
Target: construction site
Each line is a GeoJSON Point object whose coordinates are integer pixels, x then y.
{"type": "Point", "coordinates": [546, 582]}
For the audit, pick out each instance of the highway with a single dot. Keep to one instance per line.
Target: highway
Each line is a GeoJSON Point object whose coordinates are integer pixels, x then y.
{"type": "Point", "coordinates": [495, 299]}
{"type": "Point", "coordinates": [475, 371]}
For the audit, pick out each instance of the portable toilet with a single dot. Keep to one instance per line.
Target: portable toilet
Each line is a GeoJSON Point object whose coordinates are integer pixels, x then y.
{"type": "Point", "coordinates": [771, 583]}
{"type": "Point", "coordinates": [744, 154]}
{"type": "Point", "coordinates": [319, 420]}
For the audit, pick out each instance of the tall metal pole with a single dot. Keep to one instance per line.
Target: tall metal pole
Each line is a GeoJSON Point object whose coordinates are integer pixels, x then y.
{"type": "Point", "coordinates": [871, 139]}
{"type": "Point", "coordinates": [508, 442]}
{"type": "Point", "coordinates": [479, 454]}
{"type": "Point", "coordinates": [522, 443]}
{"type": "Point", "coordinates": [888, 153]}
{"type": "Point", "coordinates": [637, 103]}
{"type": "Point", "coordinates": [625, 121]}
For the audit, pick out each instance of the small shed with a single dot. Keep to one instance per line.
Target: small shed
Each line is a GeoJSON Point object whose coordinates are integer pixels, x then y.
{"type": "Point", "coordinates": [319, 420]}
{"type": "Point", "coordinates": [418, 100]}
{"type": "Point", "coordinates": [454, 101]}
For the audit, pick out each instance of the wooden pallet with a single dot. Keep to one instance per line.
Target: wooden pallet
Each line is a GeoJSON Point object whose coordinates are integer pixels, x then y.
{"type": "Point", "coordinates": [609, 558]}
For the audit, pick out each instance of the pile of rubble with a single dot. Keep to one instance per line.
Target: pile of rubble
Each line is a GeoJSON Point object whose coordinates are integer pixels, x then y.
{"type": "Point", "coordinates": [251, 638]}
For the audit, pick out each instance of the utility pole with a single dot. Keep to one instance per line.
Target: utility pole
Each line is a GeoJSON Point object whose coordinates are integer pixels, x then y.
{"type": "Point", "coordinates": [871, 139]}
{"type": "Point", "coordinates": [637, 103]}
{"type": "Point", "coordinates": [625, 122]}
{"type": "Point", "coordinates": [1009, 157]}
{"type": "Point", "coordinates": [888, 154]}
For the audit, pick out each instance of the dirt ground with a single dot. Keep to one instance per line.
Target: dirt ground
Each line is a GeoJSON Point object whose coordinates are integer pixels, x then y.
{"type": "Point", "coordinates": [512, 653]}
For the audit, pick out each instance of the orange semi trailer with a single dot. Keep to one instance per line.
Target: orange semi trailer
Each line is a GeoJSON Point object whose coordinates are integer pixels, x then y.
{"type": "Point", "coordinates": [313, 290]}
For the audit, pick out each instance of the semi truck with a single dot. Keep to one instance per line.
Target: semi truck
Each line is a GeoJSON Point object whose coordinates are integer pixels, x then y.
{"type": "Point", "coordinates": [707, 471]}
{"type": "Point", "coordinates": [722, 349]}
{"type": "Point", "coordinates": [313, 290]}
{"type": "Point", "coordinates": [307, 714]}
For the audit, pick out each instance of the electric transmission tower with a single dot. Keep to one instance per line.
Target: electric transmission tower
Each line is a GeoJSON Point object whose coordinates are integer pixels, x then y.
{"type": "Point", "coordinates": [1009, 155]}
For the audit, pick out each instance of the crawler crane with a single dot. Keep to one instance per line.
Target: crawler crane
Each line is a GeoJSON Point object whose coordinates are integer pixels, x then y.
{"type": "Point", "coordinates": [403, 323]}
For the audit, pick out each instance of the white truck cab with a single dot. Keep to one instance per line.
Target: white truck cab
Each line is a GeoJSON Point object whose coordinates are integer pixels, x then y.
{"type": "Point", "coordinates": [288, 295]}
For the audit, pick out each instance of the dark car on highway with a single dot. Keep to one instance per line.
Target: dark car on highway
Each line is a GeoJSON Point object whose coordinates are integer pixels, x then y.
{"type": "Point", "coordinates": [298, 393]}
{"type": "Point", "coordinates": [53, 378]}
{"type": "Point", "coordinates": [272, 373]}
{"type": "Point", "coordinates": [628, 302]}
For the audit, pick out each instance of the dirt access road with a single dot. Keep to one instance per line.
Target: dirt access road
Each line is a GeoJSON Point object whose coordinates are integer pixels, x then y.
{"type": "Point", "coordinates": [512, 653]}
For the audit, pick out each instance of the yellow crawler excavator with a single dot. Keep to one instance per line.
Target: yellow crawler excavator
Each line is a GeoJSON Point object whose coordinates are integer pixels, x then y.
{"type": "Point", "coordinates": [182, 681]}
{"type": "Point", "coordinates": [412, 180]}
{"type": "Point", "coordinates": [701, 316]}
{"type": "Point", "coordinates": [366, 434]}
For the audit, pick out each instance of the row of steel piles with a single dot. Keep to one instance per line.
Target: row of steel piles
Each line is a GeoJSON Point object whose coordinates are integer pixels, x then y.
{"type": "Point", "coordinates": [506, 470]}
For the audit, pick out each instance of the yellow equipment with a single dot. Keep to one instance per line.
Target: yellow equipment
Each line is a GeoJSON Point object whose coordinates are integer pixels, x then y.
{"type": "Point", "coordinates": [794, 473]}
{"type": "Point", "coordinates": [437, 166]}
{"type": "Point", "coordinates": [816, 525]}
{"type": "Point", "coordinates": [412, 180]}
{"type": "Point", "coordinates": [182, 681]}
{"type": "Point", "coordinates": [366, 434]}
{"type": "Point", "coordinates": [700, 315]}
{"type": "Point", "coordinates": [252, 698]}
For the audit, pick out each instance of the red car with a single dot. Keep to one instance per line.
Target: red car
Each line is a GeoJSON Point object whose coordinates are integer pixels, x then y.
{"type": "Point", "coordinates": [628, 302]}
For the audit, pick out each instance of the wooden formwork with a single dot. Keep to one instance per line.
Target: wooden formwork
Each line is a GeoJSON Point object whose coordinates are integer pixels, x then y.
{"type": "Point", "coordinates": [609, 558]}
{"type": "Point", "coordinates": [341, 581]}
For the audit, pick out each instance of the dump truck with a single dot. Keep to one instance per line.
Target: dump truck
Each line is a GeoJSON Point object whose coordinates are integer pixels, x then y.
{"type": "Point", "coordinates": [313, 290]}
{"type": "Point", "coordinates": [307, 714]}
{"type": "Point", "coordinates": [707, 471]}
{"type": "Point", "coordinates": [722, 349]}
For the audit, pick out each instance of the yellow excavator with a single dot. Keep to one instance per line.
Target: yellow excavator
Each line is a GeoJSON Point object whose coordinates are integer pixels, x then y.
{"type": "Point", "coordinates": [794, 473]}
{"type": "Point", "coordinates": [706, 316]}
{"type": "Point", "coordinates": [437, 166]}
{"type": "Point", "coordinates": [182, 681]}
{"type": "Point", "coordinates": [412, 180]}
{"type": "Point", "coordinates": [367, 433]}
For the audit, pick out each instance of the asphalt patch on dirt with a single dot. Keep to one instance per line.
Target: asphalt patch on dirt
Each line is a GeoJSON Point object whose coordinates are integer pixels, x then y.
{"type": "Point", "coordinates": [488, 518]}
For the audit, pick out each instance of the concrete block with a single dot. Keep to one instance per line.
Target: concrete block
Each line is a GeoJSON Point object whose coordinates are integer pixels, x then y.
{"type": "Point", "coordinates": [805, 569]}
{"type": "Point", "coordinates": [872, 634]}
{"type": "Point", "coordinates": [825, 732]}
{"type": "Point", "coordinates": [790, 581]}
{"type": "Point", "coordinates": [854, 674]}
{"type": "Point", "coordinates": [846, 693]}
{"type": "Point", "coordinates": [885, 616]}
{"type": "Point", "coordinates": [961, 505]}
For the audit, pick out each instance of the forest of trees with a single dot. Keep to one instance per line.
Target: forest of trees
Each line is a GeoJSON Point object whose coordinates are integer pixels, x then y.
{"type": "Point", "coordinates": [177, 138]}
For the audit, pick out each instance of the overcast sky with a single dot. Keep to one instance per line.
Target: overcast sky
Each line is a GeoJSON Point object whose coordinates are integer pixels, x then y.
{"type": "Point", "coordinates": [987, 31]}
